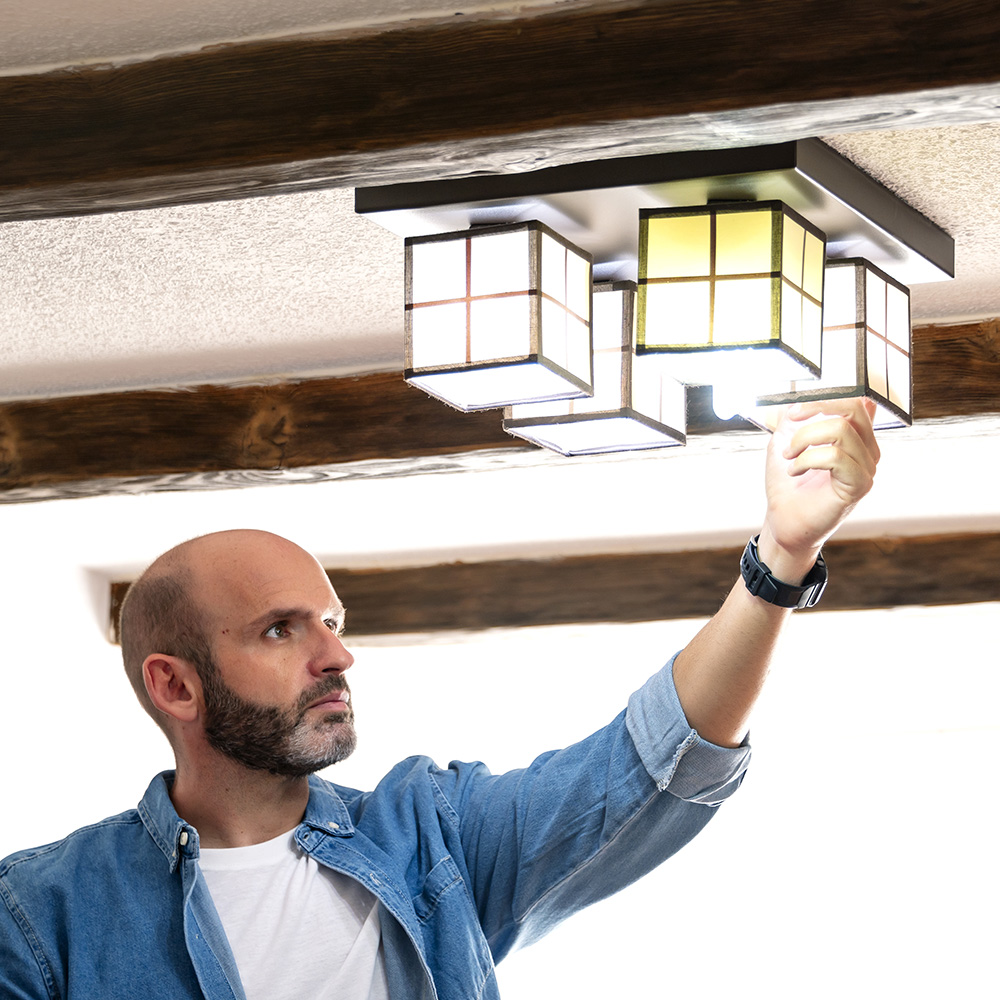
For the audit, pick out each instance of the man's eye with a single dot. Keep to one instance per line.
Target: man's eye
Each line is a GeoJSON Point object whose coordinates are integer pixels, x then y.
{"type": "Point", "coordinates": [333, 625]}
{"type": "Point", "coordinates": [279, 630]}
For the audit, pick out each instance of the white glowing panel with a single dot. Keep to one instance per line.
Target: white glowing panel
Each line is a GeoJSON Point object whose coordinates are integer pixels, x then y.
{"type": "Point", "coordinates": [634, 405]}
{"type": "Point", "coordinates": [498, 315]}
{"type": "Point", "coordinates": [866, 347]}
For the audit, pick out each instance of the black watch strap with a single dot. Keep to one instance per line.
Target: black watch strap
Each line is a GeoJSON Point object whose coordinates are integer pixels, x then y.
{"type": "Point", "coordinates": [761, 584]}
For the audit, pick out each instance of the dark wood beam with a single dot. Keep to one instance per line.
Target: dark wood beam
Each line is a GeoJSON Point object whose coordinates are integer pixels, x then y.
{"type": "Point", "coordinates": [210, 437]}
{"type": "Point", "coordinates": [488, 92]}
{"type": "Point", "coordinates": [864, 574]}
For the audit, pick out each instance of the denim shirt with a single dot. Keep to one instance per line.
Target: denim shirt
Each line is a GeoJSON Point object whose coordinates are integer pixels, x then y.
{"type": "Point", "coordinates": [467, 865]}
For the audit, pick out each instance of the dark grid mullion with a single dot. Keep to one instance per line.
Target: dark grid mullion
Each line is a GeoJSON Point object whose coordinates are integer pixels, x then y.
{"type": "Point", "coordinates": [711, 276]}
{"type": "Point", "coordinates": [468, 302]}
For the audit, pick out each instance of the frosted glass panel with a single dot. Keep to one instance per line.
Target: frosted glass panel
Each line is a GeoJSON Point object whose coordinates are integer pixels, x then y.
{"type": "Point", "coordinates": [678, 247]}
{"type": "Point", "coordinates": [438, 336]}
{"type": "Point", "coordinates": [743, 311]}
{"type": "Point", "coordinates": [840, 359]}
{"type": "Point", "coordinates": [580, 277]}
{"type": "Point", "coordinates": [438, 271]}
{"type": "Point", "coordinates": [840, 296]}
{"type": "Point", "coordinates": [578, 349]}
{"type": "Point", "coordinates": [791, 318]}
{"type": "Point", "coordinates": [608, 320]}
{"type": "Point", "coordinates": [500, 328]}
{"type": "Point", "coordinates": [743, 243]}
{"type": "Point", "coordinates": [500, 263]}
{"type": "Point", "coordinates": [678, 313]}
{"type": "Point", "coordinates": [875, 302]}
{"type": "Point", "coordinates": [596, 436]}
{"type": "Point", "coordinates": [554, 333]}
{"type": "Point", "coordinates": [898, 317]}
{"type": "Point", "coordinates": [812, 331]}
{"type": "Point", "coordinates": [877, 374]}
{"type": "Point", "coordinates": [488, 388]}
{"type": "Point", "coordinates": [555, 274]}
{"type": "Point", "coordinates": [899, 379]}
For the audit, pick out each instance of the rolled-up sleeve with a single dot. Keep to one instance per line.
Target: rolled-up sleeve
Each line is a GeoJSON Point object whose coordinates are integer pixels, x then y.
{"type": "Point", "coordinates": [673, 753]}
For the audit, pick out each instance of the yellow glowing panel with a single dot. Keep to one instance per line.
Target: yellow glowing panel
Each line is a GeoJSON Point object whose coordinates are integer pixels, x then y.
{"type": "Point", "coordinates": [792, 239]}
{"type": "Point", "coordinates": [678, 247]}
{"type": "Point", "coordinates": [743, 243]}
{"type": "Point", "coordinates": [814, 266]}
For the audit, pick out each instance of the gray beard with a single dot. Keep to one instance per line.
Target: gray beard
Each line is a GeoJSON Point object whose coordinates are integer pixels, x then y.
{"type": "Point", "coordinates": [279, 741]}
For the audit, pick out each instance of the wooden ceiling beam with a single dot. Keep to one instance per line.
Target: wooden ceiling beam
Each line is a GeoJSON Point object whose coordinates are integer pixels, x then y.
{"type": "Point", "coordinates": [212, 436]}
{"type": "Point", "coordinates": [865, 574]}
{"type": "Point", "coordinates": [487, 92]}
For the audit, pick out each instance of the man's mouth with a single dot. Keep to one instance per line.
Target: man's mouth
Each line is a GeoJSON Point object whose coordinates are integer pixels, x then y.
{"type": "Point", "coordinates": [333, 700]}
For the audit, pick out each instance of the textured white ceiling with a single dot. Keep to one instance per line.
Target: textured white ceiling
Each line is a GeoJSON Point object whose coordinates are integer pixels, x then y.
{"type": "Point", "coordinates": [298, 284]}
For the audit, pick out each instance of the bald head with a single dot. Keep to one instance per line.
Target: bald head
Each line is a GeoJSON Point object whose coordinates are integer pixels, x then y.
{"type": "Point", "coordinates": [171, 608]}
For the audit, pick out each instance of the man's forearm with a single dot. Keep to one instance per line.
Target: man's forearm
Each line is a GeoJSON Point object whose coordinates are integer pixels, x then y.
{"type": "Point", "coordinates": [821, 461]}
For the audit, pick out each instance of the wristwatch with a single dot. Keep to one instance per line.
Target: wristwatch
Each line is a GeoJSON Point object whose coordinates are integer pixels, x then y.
{"type": "Point", "coordinates": [761, 584]}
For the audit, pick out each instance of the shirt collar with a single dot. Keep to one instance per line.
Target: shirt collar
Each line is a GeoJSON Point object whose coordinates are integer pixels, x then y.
{"type": "Point", "coordinates": [325, 812]}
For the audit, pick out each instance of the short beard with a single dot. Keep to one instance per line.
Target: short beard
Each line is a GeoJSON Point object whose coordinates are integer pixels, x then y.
{"type": "Point", "coordinates": [268, 738]}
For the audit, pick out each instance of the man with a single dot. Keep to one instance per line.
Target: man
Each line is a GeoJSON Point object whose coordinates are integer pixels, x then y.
{"type": "Point", "coordinates": [243, 874]}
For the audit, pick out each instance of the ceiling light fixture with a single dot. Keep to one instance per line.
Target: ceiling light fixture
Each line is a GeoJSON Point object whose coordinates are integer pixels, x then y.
{"type": "Point", "coordinates": [866, 348]}
{"type": "Point", "coordinates": [498, 315]}
{"type": "Point", "coordinates": [635, 404]}
{"type": "Point", "coordinates": [598, 206]}
{"type": "Point", "coordinates": [732, 289]}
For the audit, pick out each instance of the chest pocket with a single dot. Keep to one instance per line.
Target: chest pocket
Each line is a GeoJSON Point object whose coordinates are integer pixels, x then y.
{"type": "Point", "coordinates": [442, 879]}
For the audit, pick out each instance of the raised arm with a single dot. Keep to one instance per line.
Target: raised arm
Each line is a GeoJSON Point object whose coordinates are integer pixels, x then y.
{"type": "Point", "coordinates": [820, 462]}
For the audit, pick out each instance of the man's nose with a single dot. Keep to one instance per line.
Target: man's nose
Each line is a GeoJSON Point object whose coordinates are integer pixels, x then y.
{"type": "Point", "coordinates": [332, 656]}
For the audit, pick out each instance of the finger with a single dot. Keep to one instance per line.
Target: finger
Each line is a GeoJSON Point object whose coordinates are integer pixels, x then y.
{"type": "Point", "coordinates": [859, 410]}
{"type": "Point", "coordinates": [855, 479]}
{"type": "Point", "coordinates": [840, 432]}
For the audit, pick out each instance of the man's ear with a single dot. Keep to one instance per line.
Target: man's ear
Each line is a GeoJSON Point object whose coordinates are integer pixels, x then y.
{"type": "Point", "coordinates": [173, 686]}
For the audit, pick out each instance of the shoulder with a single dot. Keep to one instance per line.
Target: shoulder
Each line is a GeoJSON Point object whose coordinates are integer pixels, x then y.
{"type": "Point", "coordinates": [82, 847]}
{"type": "Point", "coordinates": [414, 783]}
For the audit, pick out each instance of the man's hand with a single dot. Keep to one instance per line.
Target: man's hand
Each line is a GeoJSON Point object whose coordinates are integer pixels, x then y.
{"type": "Point", "coordinates": [821, 461]}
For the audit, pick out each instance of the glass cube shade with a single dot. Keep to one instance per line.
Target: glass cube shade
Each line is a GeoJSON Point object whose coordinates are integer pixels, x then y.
{"type": "Point", "coordinates": [866, 347]}
{"type": "Point", "coordinates": [634, 406]}
{"type": "Point", "coordinates": [498, 315]}
{"type": "Point", "coordinates": [741, 277]}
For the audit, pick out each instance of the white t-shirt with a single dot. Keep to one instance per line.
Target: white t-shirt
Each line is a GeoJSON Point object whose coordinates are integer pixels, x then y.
{"type": "Point", "coordinates": [296, 928]}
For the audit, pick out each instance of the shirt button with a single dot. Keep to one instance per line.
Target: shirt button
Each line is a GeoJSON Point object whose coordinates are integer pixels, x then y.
{"type": "Point", "coordinates": [333, 826]}
{"type": "Point", "coordinates": [184, 838]}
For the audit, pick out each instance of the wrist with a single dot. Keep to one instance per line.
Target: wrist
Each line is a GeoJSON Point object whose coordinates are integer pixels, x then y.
{"type": "Point", "coordinates": [763, 583]}
{"type": "Point", "coordinates": [789, 564]}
